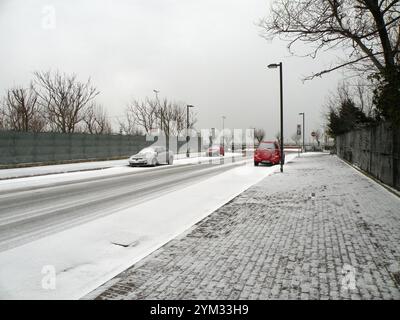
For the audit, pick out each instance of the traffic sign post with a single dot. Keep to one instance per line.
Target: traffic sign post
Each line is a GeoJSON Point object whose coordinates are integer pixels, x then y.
{"type": "Point", "coordinates": [313, 134]}
{"type": "Point", "coordinates": [298, 133]}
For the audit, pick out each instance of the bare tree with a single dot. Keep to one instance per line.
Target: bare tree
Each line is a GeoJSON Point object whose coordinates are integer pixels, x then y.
{"type": "Point", "coordinates": [364, 97]}
{"type": "Point", "coordinates": [167, 115]}
{"type": "Point", "coordinates": [64, 99]}
{"type": "Point", "coordinates": [367, 29]}
{"type": "Point", "coordinates": [317, 135]}
{"type": "Point", "coordinates": [128, 124]}
{"type": "Point", "coordinates": [192, 118]}
{"type": "Point", "coordinates": [3, 121]}
{"type": "Point", "coordinates": [140, 116]}
{"type": "Point", "coordinates": [148, 114]}
{"type": "Point", "coordinates": [21, 110]}
{"type": "Point", "coordinates": [296, 138]}
{"type": "Point", "coordinates": [259, 134]}
{"type": "Point", "coordinates": [96, 120]}
{"type": "Point", "coordinates": [179, 118]}
{"type": "Point", "coordinates": [173, 117]}
{"type": "Point", "coordinates": [144, 114]}
{"type": "Point", "coordinates": [278, 137]}
{"type": "Point", "coordinates": [358, 92]}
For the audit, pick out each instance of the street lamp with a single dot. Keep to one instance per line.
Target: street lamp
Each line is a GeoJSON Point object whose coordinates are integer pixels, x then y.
{"type": "Point", "coordinates": [223, 134]}
{"type": "Point", "coordinates": [274, 66]}
{"type": "Point", "coordinates": [304, 130]}
{"type": "Point", "coordinates": [158, 101]}
{"type": "Point", "coordinates": [187, 129]}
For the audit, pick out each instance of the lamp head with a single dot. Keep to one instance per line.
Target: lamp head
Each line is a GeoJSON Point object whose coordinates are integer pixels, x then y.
{"type": "Point", "coordinates": [273, 66]}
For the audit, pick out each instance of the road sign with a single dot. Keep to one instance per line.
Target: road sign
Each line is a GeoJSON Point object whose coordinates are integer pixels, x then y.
{"type": "Point", "coordinates": [313, 134]}
{"type": "Point", "coordinates": [299, 129]}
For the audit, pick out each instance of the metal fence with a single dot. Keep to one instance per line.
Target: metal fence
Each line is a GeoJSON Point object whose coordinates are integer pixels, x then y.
{"type": "Point", "coordinates": [49, 147]}
{"type": "Point", "coordinates": [374, 150]}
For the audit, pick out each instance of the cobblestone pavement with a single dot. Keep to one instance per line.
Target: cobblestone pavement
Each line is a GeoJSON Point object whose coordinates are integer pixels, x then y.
{"type": "Point", "coordinates": [321, 230]}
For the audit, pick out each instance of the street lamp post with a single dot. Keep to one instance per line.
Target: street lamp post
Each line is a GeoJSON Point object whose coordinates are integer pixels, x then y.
{"type": "Point", "coordinates": [223, 133]}
{"type": "Point", "coordinates": [158, 101]}
{"type": "Point", "coordinates": [187, 129]}
{"type": "Point", "coordinates": [274, 66]}
{"type": "Point", "coordinates": [304, 130]}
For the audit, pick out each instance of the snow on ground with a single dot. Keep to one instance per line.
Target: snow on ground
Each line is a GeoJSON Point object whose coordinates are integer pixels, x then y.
{"type": "Point", "coordinates": [99, 165]}
{"type": "Point", "coordinates": [59, 168]}
{"type": "Point", "coordinates": [85, 257]}
{"type": "Point", "coordinates": [35, 178]}
{"type": "Point", "coordinates": [70, 167]}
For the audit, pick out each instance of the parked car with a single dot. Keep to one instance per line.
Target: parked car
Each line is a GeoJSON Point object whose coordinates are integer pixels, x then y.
{"type": "Point", "coordinates": [215, 150]}
{"type": "Point", "coordinates": [152, 156]}
{"type": "Point", "coordinates": [268, 152]}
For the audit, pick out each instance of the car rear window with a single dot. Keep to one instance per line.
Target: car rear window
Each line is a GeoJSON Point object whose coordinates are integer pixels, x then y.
{"type": "Point", "coordinates": [266, 145]}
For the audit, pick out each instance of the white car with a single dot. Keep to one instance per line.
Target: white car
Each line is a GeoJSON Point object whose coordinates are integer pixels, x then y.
{"type": "Point", "coordinates": [152, 156]}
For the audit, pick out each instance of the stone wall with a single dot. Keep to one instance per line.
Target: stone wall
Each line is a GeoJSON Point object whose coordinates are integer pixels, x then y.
{"type": "Point", "coordinates": [374, 150]}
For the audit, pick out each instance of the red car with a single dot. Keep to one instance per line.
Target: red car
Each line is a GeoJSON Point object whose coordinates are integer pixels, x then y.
{"type": "Point", "coordinates": [215, 151]}
{"type": "Point", "coordinates": [268, 152]}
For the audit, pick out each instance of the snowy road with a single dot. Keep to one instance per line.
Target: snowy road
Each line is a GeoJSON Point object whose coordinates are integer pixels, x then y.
{"type": "Point", "coordinates": [31, 212]}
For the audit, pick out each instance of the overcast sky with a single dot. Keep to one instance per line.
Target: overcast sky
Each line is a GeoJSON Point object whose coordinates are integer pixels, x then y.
{"type": "Point", "coordinates": [207, 53]}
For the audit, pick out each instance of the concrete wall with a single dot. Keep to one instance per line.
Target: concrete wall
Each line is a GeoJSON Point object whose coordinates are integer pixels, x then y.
{"type": "Point", "coordinates": [374, 150]}
{"type": "Point", "coordinates": [26, 147]}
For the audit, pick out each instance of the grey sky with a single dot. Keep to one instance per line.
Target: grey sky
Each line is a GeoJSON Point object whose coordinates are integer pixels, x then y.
{"type": "Point", "coordinates": [203, 52]}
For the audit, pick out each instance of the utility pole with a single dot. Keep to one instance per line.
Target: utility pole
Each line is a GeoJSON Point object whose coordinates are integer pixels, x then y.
{"type": "Point", "coordinates": [187, 130]}
{"type": "Point", "coordinates": [223, 133]}
{"type": "Point", "coordinates": [282, 143]}
{"type": "Point", "coordinates": [304, 130]}
{"type": "Point", "coordinates": [158, 101]}
{"type": "Point", "coordinates": [280, 66]}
